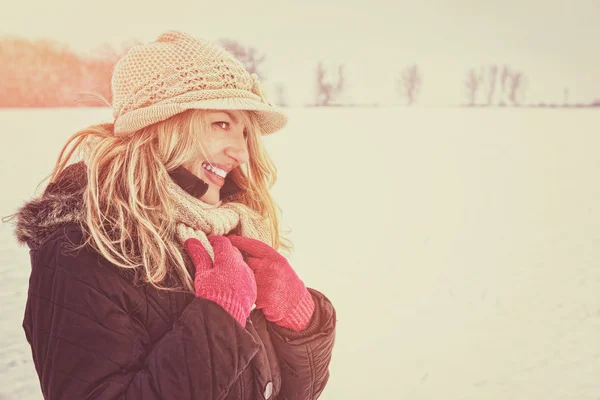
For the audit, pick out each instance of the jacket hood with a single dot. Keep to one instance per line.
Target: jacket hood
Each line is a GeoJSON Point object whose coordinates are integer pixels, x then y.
{"type": "Point", "coordinates": [60, 205]}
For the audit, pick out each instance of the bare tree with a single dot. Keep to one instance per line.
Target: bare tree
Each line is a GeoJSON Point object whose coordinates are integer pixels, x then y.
{"type": "Point", "coordinates": [472, 83]}
{"type": "Point", "coordinates": [247, 55]}
{"type": "Point", "coordinates": [328, 91]}
{"type": "Point", "coordinates": [516, 87]}
{"type": "Point", "coordinates": [492, 84]}
{"type": "Point", "coordinates": [410, 83]}
{"type": "Point", "coordinates": [505, 77]}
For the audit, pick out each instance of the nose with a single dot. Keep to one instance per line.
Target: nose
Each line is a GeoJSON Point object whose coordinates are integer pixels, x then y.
{"type": "Point", "coordinates": [238, 150]}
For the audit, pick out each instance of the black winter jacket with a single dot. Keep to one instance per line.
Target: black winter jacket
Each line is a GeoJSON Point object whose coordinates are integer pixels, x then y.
{"type": "Point", "coordinates": [94, 334]}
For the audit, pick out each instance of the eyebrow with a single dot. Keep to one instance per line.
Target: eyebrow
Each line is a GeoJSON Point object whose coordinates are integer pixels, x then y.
{"type": "Point", "coordinates": [230, 115]}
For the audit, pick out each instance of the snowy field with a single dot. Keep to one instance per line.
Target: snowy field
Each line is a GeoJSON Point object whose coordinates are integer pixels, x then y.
{"type": "Point", "coordinates": [460, 247]}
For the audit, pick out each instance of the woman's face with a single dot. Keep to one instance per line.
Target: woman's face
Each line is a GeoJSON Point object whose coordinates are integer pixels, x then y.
{"type": "Point", "coordinates": [226, 148]}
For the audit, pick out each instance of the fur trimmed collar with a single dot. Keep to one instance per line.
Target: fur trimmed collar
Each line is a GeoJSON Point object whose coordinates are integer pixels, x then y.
{"type": "Point", "coordinates": [60, 205]}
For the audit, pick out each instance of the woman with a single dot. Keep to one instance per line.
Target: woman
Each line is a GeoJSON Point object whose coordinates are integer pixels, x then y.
{"type": "Point", "coordinates": [156, 270]}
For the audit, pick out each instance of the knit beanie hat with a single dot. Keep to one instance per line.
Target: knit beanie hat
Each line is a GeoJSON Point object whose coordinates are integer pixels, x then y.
{"type": "Point", "coordinates": [177, 72]}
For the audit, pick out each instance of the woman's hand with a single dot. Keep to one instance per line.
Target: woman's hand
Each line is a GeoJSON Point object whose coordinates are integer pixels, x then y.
{"type": "Point", "coordinates": [228, 281]}
{"type": "Point", "coordinates": [281, 294]}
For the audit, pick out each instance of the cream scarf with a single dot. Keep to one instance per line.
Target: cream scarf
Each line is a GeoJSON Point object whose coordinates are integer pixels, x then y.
{"type": "Point", "coordinates": [197, 219]}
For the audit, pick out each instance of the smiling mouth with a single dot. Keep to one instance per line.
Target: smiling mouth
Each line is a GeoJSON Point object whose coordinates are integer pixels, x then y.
{"type": "Point", "coordinates": [215, 169]}
{"type": "Point", "coordinates": [214, 174]}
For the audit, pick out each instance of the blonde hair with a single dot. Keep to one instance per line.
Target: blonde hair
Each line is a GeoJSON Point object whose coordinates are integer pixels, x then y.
{"type": "Point", "coordinates": [128, 213]}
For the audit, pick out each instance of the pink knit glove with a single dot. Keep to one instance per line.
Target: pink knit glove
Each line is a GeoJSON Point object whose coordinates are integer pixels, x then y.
{"type": "Point", "coordinates": [281, 294]}
{"type": "Point", "coordinates": [228, 281]}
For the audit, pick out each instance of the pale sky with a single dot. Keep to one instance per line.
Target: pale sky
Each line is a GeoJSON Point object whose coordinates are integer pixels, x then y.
{"type": "Point", "coordinates": [556, 44]}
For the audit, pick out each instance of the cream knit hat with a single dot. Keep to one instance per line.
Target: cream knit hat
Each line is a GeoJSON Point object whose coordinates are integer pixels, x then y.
{"type": "Point", "coordinates": [177, 72]}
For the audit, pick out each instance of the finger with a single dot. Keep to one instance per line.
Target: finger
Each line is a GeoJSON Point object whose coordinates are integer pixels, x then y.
{"type": "Point", "coordinates": [219, 243]}
{"type": "Point", "coordinates": [237, 251]}
{"type": "Point", "coordinates": [254, 264]}
{"type": "Point", "coordinates": [198, 254]}
{"type": "Point", "coordinates": [222, 246]}
{"type": "Point", "coordinates": [234, 238]}
{"type": "Point", "coordinates": [253, 247]}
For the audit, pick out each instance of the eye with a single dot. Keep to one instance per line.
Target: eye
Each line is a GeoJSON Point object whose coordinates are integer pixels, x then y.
{"type": "Point", "coordinates": [223, 125]}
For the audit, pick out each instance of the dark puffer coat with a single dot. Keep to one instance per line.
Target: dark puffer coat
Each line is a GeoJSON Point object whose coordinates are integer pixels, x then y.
{"type": "Point", "coordinates": [94, 334]}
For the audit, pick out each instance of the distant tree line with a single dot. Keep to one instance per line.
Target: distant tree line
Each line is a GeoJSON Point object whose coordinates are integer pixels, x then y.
{"type": "Point", "coordinates": [44, 73]}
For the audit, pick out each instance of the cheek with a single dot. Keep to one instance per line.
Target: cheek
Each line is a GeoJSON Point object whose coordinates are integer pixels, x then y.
{"type": "Point", "coordinates": [212, 151]}
{"type": "Point", "coordinates": [214, 147]}
{"type": "Point", "coordinates": [195, 166]}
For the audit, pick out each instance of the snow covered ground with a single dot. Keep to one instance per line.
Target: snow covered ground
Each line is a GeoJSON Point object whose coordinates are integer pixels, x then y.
{"type": "Point", "coordinates": [460, 247]}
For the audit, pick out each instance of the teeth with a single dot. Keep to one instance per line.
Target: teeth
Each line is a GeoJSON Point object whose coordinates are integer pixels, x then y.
{"type": "Point", "coordinates": [215, 170]}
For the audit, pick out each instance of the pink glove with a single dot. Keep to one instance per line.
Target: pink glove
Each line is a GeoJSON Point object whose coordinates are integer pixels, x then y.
{"type": "Point", "coordinates": [281, 294]}
{"type": "Point", "coordinates": [228, 281]}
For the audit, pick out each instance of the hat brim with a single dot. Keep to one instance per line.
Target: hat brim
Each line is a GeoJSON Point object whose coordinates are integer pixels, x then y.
{"type": "Point", "coordinates": [270, 118]}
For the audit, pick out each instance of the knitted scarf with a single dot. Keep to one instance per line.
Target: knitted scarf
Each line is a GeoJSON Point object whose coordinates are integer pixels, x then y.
{"type": "Point", "coordinates": [197, 219]}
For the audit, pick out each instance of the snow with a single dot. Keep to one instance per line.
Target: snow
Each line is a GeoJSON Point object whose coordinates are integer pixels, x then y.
{"type": "Point", "coordinates": [459, 246]}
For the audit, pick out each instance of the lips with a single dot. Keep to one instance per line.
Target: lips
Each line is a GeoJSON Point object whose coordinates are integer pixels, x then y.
{"type": "Point", "coordinates": [215, 179]}
{"type": "Point", "coordinates": [221, 170]}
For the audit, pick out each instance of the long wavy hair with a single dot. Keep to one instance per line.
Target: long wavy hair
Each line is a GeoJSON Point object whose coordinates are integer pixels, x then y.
{"type": "Point", "coordinates": [128, 210]}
